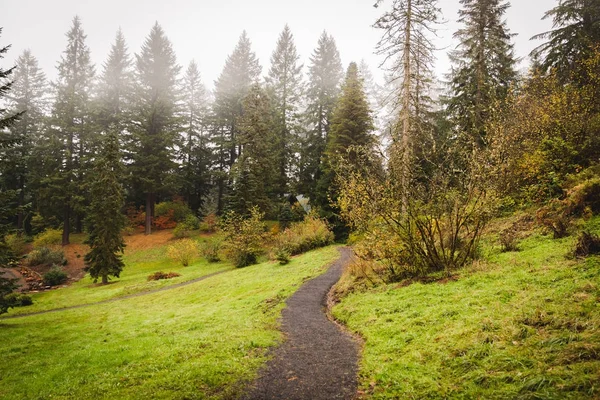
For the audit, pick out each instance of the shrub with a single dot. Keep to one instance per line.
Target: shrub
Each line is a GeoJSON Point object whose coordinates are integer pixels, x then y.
{"type": "Point", "coordinates": [162, 275]}
{"type": "Point", "coordinates": [136, 216]}
{"type": "Point", "coordinates": [243, 237]}
{"type": "Point", "coordinates": [210, 250]}
{"type": "Point", "coordinates": [587, 244]}
{"type": "Point", "coordinates": [555, 217]}
{"type": "Point", "coordinates": [46, 256]}
{"type": "Point", "coordinates": [184, 229]}
{"type": "Point", "coordinates": [209, 223]}
{"type": "Point", "coordinates": [282, 255]}
{"type": "Point", "coordinates": [184, 251]}
{"type": "Point", "coordinates": [303, 236]}
{"type": "Point", "coordinates": [509, 239]}
{"type": "Point", "coordinates": [16, 244]}
{"type": "Point", "coordinates": [55, 276]}
{"type": "Point", "coordinates": [128, 231]}
{"type": "Point", "coordinates": [50, 237]}
{"type": "Point", "coordinates": [19, 300]}
{"type": "Point", "coordinates": [175, 210]}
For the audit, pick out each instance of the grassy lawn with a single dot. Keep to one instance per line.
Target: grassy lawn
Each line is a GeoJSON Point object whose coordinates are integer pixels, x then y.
{"type": "Point", "coordinates": [204, 340]}
{"type": "Point", "coordinates": [138, 265]}
{"type": "Point", "coordinates": [520, 325]}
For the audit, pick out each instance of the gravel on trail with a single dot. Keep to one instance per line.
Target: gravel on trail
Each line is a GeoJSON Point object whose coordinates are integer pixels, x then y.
{"type": "Point", "coordinates": [317, 360]}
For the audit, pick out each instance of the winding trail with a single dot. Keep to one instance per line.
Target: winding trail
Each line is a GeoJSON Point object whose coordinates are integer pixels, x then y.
{"type": "Point", "coordinates": [317, 360]}
{"type": "Point", "coordinates": [112, 300]}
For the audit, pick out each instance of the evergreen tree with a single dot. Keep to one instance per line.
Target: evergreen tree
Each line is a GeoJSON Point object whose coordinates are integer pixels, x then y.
{"type": "Point", "coordinates": [253, 174]}
{"type": "Point", "coordinates": [71, 120]}
{"type": "Point", "coordinates": [28, 95]}
{"type": "Point", "coordinates": [195, 154]}
{"type": "Point", "coordinates": [156, 125]}
{"type": "Point", "coordinates": [325, 73]}
{"type": "Point", "coordinates": [241, 70]}
{"type": "Point", "coordinates": [576, 33]}
{"type": "Point", "coordinates": [285, 87]}
{"type": "Point", "coordinates": [406, 45]}
{"type": "Point", "coordinates": [484, 66]}
{"type": "Point", "coordinates": [105, 220]}
{"type": "Point", "coordinates": [115, 88]}
{"type": "Point", "coordinates": [351, 128]}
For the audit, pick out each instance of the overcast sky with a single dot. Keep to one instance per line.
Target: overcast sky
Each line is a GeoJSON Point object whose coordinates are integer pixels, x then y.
{"type": "Point", "coordinates": [208, 30]}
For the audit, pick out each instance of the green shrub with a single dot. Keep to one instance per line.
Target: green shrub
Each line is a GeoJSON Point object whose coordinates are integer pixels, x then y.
{"type": "Point", "coordinates": [50, 237]}
{"type": "Point", "coordinates": [211, 250]}
{"type": "Point", "coordinates": [19, 300]}
{"type": "Point", "coordinates": [209, 223]}
{"type": "Point", "coordinates": [303, 236]}
{"type": "Point", "coordinates": [184, 251]}
{"type": "Point", "coordinates": [16, 244]}
{"type": "Point", "coordinates": [55, 276]}
{"type": "Point", "coordinates": [179, 210]}
{"type": "Point", "coordinates": [509, 239]}
{"type": "Point", "coordinates": [46, 256]}
{"type": "Point", "coordinates": [244, 237]}
{"type": "Point", "coordinates": [162, 275]}
{"type": "Point", "coordinates": [587, 244]}
{"type": "Point", "coordinates": [184, 229]}
{"type": "Point", "coordinates": [282, 255]}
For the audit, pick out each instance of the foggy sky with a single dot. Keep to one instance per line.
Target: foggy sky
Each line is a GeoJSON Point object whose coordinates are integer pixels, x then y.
{"type": "Point", "coordinates": [208, 30]}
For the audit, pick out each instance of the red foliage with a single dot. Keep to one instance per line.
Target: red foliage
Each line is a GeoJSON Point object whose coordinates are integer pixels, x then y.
{"type": "Point", "coordinates": [165, 221]}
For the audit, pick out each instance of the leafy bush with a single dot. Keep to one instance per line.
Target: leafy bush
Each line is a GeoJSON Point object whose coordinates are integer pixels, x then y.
{"type": "Point", "coordinates": [50, 237]}
{"type": "Point", "coordinates": [587, 244]}
{"type": "Point", "coordinates": [46, 256]}
{"type": "Point", "coordinates": [509, 239]}
{"type": "Point", "coordinates": [184, 251]}
{"type": "Point", "coordinates": [175, 210]}
{"type": "Point", "coordinates": [16, 244]}
{"type": "Point", "coordinates": [128, 231]}
{"type": "Point", "coordinates": [184, 229]}
{"type": "Point", "coordinates": [19, 300]}
{"type": "Point", "coordinates": [243, 237]}
{"type": "Point", "coordinates": [209, 223]}
{"type": "Point", "coordinates": [211, 249]}
{"type": "Point", "coordinates": [162, 275]}
{"type": "Point", "coordinates": [55, 276]}
{"type": "Point", "coordinates": [555, 217]}
{"type": "Point", "coordinates": [282, 255]}
{"type": "Point", "coordinates": [304, 236]}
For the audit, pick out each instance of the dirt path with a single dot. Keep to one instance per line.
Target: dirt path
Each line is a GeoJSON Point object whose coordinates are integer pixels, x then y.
{"type": "Point", "coordinates": [129, 296]}
{"type": "Point", "coordinates": [317, 360]}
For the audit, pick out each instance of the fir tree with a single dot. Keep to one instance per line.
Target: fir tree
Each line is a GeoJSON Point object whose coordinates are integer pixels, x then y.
{"type": "Point", "coordinates": [195, 154]}
{"type": "Point", "coordinates": [576, 33]}
{"type": "Point", "coordinates": [285, 87]}
{"type": "Point", "coordinates": [71, 120]}
{"type": "Point", "coordinates": [351, 128]}
{"type": "Point", "coordinates": [156, 125]}
{"type": "Point", "coordinates": [241, 70]}
{"type": "Point", "coordinates": [28, 95]}
{"type": "Point", "coordinates": [484, 66]}
{"type": "Point", "coordinates": [325, 74]}
{"type": "Point", "coordinates": [105, 220]}
{"type": "Point", "coordinates": [253, 173]}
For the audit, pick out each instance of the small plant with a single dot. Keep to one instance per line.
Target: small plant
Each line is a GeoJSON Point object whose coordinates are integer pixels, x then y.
{"type": "Point", "coordinates": [19, 300]}
{"type": "Point", "coordinates": [128, 231]}
{"type": "Point", "coordinates": [16, 244]}
{"type": "Point", "coordinates": [282, 255]}
{"type": "Point", "coordinates": [211, 249]}
{"type": "Point", "coordinates": [555, 217]}
{"type": "Point", "coordinates": [509, 239]}
{"type": "Point", "coordinates": [46, 256]}
{"type": "Point", "coordinates": [184, 229]}
{"type": "Point", "coordinates": [184, 251]}
{"type": "Point", "coordinates": [162, 275]}
{"type": "Point", "coordinates": [55, 276]}
{"type": "Point", "coordinates": [587, 244]}
{"type": "Point", "coordinates": [50, 237]}
{"type": "Point", "coordinates": [244, 237]}
{"type": "Point", "coordinates": [209, 223]}
{"type": "Point", "coordinates": [303, 236]}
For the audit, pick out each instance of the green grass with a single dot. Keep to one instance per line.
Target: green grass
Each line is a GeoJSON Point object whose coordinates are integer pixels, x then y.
{"type": "Point", "coordinates": [133, 279]}
{"type": "Point", "coordinates": [204, 340]}
{"type": "Point", "coordinates": [521, 325]}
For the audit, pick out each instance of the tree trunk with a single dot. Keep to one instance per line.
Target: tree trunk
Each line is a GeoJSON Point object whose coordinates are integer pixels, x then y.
{"type": "Point", "coordinates": [104, 279]}
{"type": "Point", "coordinates": [405, 173]}
{"type": "Point", "coordinates": [149, 212]}
{"type": "Point", "coordinates": [66, 225]}
{"type": "Point", "coordinates": [20, 213]}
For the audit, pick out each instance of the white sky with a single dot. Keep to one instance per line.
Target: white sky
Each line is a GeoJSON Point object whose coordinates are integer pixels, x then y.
{"type": "Point", "coordinates": [208, 30]}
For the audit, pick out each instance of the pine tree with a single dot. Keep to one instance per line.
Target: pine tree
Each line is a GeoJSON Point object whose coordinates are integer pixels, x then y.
{"type": "Point", "coordinates": [72, 126]}
{"type": "Point", "coordinates": [156, 125]}
{"type": "Point", "coordinates": [407, 46]}
{"type": "Point", "coordinates": [28, 95]}
{"type": "Point", "coordinates": [115, 88]}
{"type": "Point", "coordinates": [105, 219]}
{"type": "Point", "coordinates": [576, 33]}
{"type": "Point", "coordinates": [253, 174]}
{"type": "Point", "coordinates": [285, 88]}
{"type": "Point", "coordinates": [240, 72]}
{"type": "Point", "coordinates": [351, 128]}
{"type": "Point", "coordinates": [325, 74]}
{"type": "Point", "coordinates": [484, 66]}
{"type": "Point", "coordinates": [195, 153]}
